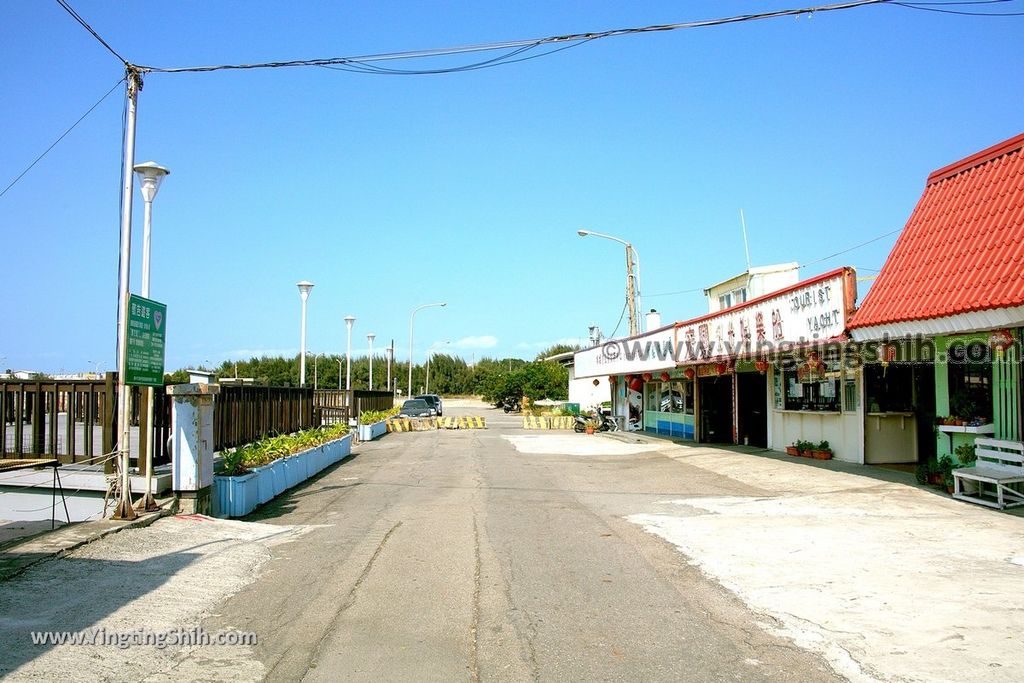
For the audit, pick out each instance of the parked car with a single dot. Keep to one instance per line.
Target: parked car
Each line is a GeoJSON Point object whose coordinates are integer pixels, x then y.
{"type": "Point", "coordinates": [416, 407]}
{"type": "Point", "coordinates": [433, 400]}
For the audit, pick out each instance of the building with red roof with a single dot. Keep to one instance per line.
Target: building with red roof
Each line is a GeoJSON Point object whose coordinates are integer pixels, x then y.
{"type": "Point", "coordinates": [950, 303]}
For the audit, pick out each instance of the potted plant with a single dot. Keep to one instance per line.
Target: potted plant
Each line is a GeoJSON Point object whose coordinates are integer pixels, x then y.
{"type": "Point", "coordinates": [945, 472]}
{"type": "Point", "coordinates": [805, 448]}
{"type": "Point", "coordinates": [966, 454]}
{"type": "Point", "coordinates": [793, 449]}
{"type": "Point", "coordinates": [922, 472]}
{"type": "Point", "coordinates": [822, 451]}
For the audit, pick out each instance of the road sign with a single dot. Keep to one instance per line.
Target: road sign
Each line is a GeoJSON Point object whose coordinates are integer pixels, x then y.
{"type": "Point", "coordinates": [147, 323]}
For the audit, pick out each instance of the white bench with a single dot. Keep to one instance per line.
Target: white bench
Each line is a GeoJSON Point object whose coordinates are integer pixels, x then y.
{"type": "Point", "coordinates": [1000, 464]}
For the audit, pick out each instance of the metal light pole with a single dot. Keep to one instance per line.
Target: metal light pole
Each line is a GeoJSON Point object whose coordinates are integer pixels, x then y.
{"type": "Point", "coordinates": [371, 337]}
{"type": "Point", "coordinates": [150, 176]}
{"type": "Point", "coordinates": [339, 374]}
{"type": "Point", "coordinates": [304, 289]}
{"type": "Point", "coordinates": [349, 319]}
{"type": "Point", "coordinates": [314, 370]}
{"type": "Point", "coordinates": [633, 301]}
{"type": "Point", "coordinates": [391, 359]}
{"type": "Point", "coordinates": [412, 319]}
{"type": "Point", "coordinates": [124, 509]}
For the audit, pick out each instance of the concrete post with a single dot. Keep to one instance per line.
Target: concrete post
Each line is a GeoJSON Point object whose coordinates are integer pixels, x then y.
{"type": "Point", "coordinates": [192, 433]}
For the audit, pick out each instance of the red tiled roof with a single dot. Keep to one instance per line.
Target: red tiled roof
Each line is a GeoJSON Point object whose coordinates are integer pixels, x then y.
{"type": "Point", "coordinates": [962, 249]}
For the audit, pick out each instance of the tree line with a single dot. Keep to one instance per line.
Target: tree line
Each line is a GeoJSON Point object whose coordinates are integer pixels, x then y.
{"type": "Point", "coordinates": [494, 379]}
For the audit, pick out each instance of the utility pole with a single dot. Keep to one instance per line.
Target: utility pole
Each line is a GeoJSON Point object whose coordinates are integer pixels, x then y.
{"type": "Point", "coordinates": [391, 358]}
{"type": "Point", "coordinates": [634, 327]}
{"type": "Point", "coordinates": [124, 509]}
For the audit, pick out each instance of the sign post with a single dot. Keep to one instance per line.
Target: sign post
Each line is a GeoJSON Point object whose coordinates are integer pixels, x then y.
{"type": "Point", "coordinates": [147, 326]}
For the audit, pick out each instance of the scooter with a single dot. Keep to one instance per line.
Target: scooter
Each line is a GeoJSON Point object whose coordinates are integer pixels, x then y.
{"type": "Point", "coordinates": [512, 406]}
{"type": "Point", "coordinates": [605, 423]}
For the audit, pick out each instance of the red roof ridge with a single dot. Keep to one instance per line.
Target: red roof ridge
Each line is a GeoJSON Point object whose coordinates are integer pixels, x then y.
{"type": "Point", "coordinates": [977, 159]}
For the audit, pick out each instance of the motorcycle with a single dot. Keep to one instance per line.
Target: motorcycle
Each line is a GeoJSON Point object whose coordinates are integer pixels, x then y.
{"type": "Point", "coordinates": [600, 423]}
{"type": "Point", "coordinates": [512, 406]}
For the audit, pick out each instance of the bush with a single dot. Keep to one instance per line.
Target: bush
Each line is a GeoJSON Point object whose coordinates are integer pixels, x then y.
{"type": "Point", "coordinates": [266, 451]}
{"type": "Point", "coordinates": [368, 417]}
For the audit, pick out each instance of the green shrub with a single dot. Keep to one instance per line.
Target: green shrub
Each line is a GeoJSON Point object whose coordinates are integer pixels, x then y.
{"type": "Point", "coordinates": [266, 451]}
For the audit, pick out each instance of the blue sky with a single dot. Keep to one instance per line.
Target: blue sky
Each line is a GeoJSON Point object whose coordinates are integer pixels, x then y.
{"type": "Point", "coordinates": [390, 191]}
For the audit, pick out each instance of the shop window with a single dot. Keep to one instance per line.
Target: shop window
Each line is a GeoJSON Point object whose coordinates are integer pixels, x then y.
{"type": "Point", "coordinates": [813, 385]}
{"type": "Point", "coordinates": [851, 397]}
{"type": "Point", "coordinates": [669, 397]}
{"type": "Point", "coordinates": [652, 396]}
{"type": "Point", "coordinates": [889, 388]}
{"type": "Point", "coordinates": [970, 381]}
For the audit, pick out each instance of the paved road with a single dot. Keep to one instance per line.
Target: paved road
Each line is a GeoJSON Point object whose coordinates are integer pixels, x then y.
{"type": "Point", "coordinates": [450, 556]}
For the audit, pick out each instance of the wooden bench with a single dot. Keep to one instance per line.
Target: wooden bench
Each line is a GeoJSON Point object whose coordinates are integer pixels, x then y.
{"type": "Point", "coordinates": [1000, 465]}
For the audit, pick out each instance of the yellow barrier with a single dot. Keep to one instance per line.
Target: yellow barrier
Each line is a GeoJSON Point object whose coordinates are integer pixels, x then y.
{"type": "Point", "coordinates": [400, 424]}
{"type": "Point", "coordinates": [472, 422]}
{"type": "Point", "coordinates": [447, 423]}
{"type": "Point", "coordinates": [548, 422]}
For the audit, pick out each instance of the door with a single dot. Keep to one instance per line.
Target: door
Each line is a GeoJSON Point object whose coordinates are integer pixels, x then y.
{"type": "Point", "coordinates": [752, 408]}
{"type": "Point", "coordinates": [716, 409]}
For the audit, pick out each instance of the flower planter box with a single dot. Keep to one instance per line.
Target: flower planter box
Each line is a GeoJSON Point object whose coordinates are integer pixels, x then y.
{"type": "Point", "coordinates": [821, 455]}
{"type": "Point", "coordinates": [235, 496]}
{"type": "Point", "coordinates": [373, 431]}
{"type": "Point", "coordinates": [791, 450]}
{"type": "Point", "coordinates": [264, 484]}
{"type": "Point", "coordinates": [239, 495]}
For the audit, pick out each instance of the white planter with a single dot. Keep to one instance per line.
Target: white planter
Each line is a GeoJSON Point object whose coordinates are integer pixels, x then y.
{"type": "Point", "coordinates": [373, 431]}
{"type": "Point", "coordinates": [238, 496]}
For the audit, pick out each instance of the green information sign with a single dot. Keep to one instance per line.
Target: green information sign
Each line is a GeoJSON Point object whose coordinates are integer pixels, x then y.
{"type": "Point", "coordinates": [147, 323]}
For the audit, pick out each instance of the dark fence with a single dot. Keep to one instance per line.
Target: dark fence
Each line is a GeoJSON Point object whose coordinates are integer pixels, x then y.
{"type": "Point", "coordinates": [243, 414]}
{"type": "Point", "coordinates": [76, 420]}
{"type": "Point", "coordinates": [334, 406]}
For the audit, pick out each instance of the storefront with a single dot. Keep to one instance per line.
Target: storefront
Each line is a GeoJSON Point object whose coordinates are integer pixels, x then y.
{"type": "Point", "coordinates": [951, 290]}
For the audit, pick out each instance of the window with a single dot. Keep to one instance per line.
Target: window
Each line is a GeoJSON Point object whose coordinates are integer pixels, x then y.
{"type": "Point", "coordinates": [670, 397]}
{"type": "Point", "coordinates": [733, 298]}
{"type": "Point", "coordinates": [970, 381]}
{"type": "Point", "coordinates": [889, 388]}
{"type": "Point", "coordinates": [851, 397]}
{"type": "Point", "coordinates": [813, 384]}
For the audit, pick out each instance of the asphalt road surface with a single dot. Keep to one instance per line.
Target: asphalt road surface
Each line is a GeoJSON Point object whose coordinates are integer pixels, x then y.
{"type": "Point", "coordinates": [451, 556]}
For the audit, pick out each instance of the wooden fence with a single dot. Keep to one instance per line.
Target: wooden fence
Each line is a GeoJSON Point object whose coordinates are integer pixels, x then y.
{"type": "Point", "coordinates": [76, 420]}
{"type": "Point", "coordinates": [243, 414]}
{"type": "Point", "coordinates": [335, 406]}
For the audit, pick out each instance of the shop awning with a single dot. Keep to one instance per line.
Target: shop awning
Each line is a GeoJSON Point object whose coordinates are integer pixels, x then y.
{"type": "Point", "coordinates": [958, 266]}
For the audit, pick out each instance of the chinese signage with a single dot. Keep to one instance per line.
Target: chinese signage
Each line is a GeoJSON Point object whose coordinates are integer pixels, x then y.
{"type": "Point", "coordinates": [147, 323]}
{"type": "Point", "coordinates": [815, 310]}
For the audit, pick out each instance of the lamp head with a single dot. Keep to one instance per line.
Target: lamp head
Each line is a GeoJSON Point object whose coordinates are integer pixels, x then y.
{"type": "Point", "coordinates": [150, 175]}
{"type": "Point", "coordinates": [371, 336]}
{"type": "Point", "coordinates": [349, 319]}
{"type": "Point", "coordinates": [582, 233]}
{"type": "Point", "coordinates": [304, 288]}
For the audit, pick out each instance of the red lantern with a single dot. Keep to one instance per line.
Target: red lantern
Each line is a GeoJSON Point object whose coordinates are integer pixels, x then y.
{"type": "Point", "coordinates": [761, 365]}
{"type": "Point", "coordinates": [664, 377]}
{"type": "Point", "coordinates": [637, 384]}
{"type": "Point", "coordinates": [689, 373]}
{"type": "Point", "coordinates": [721, 368]}
{"type": "Point", "coordinates": [647, 376]}
{"type": "Point", "coordinates": [612, 379]}
{"type": "Point", "coordinates": [629, 378]}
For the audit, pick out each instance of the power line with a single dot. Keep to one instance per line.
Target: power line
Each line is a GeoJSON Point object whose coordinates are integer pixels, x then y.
{"type": "Point", "coordinates": [63, 135]}
{"type": "Point", "coordinates": [938, 7]}
{"type": "Point", "coordinates": [362, 61]}
{"type": "Point", "coordinates": [77, 17]}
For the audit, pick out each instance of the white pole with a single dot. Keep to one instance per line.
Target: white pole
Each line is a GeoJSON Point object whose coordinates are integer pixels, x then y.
{"type": "Point", "coordinates": [124, 509]}
{"type": "Point", "coordinates": [391, 358]}
{"type": "Point", "coordinates": [412, 318]}
{"type": "Point", "coordinates": [348, 353]}
{"type": "Point", "coordinates": [339, 374]}
{"type": "Point", "coordinates": [427, 389]}
{"type": "Point", "coordinates": [370, 337]}
{"type": "Point", "coordinates": [302, 345]}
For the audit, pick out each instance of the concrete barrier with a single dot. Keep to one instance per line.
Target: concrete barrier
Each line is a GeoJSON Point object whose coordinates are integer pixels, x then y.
{"type": "Point", "coordinates": [548, 422]}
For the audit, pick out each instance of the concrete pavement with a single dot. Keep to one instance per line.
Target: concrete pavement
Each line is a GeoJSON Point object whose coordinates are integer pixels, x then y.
{"type": "Point", "coordinates": [503, 554]}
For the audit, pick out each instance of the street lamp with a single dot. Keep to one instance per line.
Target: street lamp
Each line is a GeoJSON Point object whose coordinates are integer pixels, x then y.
{"type": "Point", "coordinates": [150, 175]}
{"type": "Point", "coordinates": [633, 303]}
{"type": "Point", "coordinates": [371, 337]}
{"type": "Point", "coordinates": [412, 319]}
{"type": "Point", "coordinates": [339, 374]}
{"type": "Point", "coordinates": [349, 319]}
{"type": "Point", "coordinates": [304, 288]}
{"type": "Point", "coordinates": [315, 355]}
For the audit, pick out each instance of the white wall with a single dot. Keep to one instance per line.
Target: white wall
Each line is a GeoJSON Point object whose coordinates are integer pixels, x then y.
{"type": "Point", "coordinates": [584, 392]}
